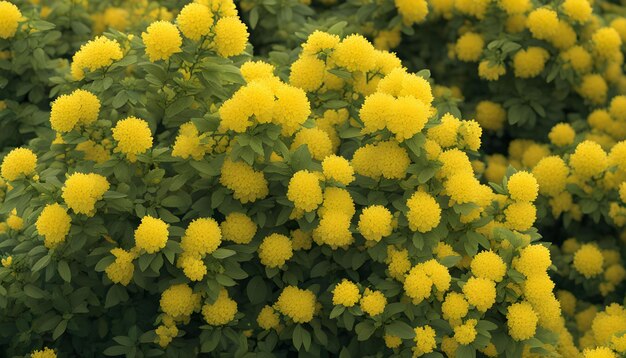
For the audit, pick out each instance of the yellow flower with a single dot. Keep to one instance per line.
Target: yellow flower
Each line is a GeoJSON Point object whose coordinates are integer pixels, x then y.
{"type": "Point", "coordinates": [466, 333]}
{"type": "Point", "coordinates": [291, 110]}
{"type": "Point", "coordinates": [600, 352]}
{"type": "Point", "coordinates": [607, 42]}
{"type": "Point", "coordinates": [521, 320]}
{"type": "Point", "coordinates": [307, 72]}
{"type": "Point", "coordinates": [424, 340]}
{"type": "Point", "coordinates": [375, 222]}
{"type": "Point", "coordinates": [594, 88]}
{"type": "Point", "coordinates": [489, 265]}
{"type": "Point", "coordinates": [588, 260]}
{"type": "Point", "coordinates": [490, 71]}
{"type": "Point", "coordinates": [79, 107]}
{"type": "Point", "coordinates": [355, 53]}
{"type": "Point", "coordinates": [221, 311]}
{"type": "Point", "coordinates": [268, 318]}
{"type": "Point", "coordinates": [194, 21]}
{"type": "Point", "coordinates": [133, 137]}
{"type": "Point", "coordinates": [238, 228]}
{"type": "Point", "coordinates": [578, 10]}
{"type": "Point", "coordinates": [412, 11]}
{"type": "Point", "coordinates": [617, 108]}
{"type": "Point", "coordinates": [53, 224]}
{"type": "Point", "coordinates": [454, 307]}
{"type": "Point", "coordinates": [530, 62]}
{"type": "Point", "coordinates": [165, 334]}
{"type": "Point", "coordinates": [82, 191]}
{"type": "Point", "coordinates": [257, 70]}
{"type": "Point", "coordinates": [562, 134]}
{"type": "Point", "coordinates": [304, 190]}
{"type": "Point", "coordinates": [417, 284]}
{"type": "Point", "coordinates": [179, 301]}
{"type": "Point", "coordinates": [542, 23]}
{"type": "Point", "coordinates": [19, 161]}
{"type": "Point", "coordinates": [334, 229]}
{"type": "Point", "coordinates": [10, 16]}
{"type": "Point", "coordinates": [95, 54]}
{"type": "Point", "coordinates": [533, 260]}
{"type": "Point", "coordinates": [316, 140]}
{"type": "Point", "coordinates": [46, 352]}
{"type": "Point", "coordinates": [192, 265]}
{"type": "Point", "coordinates": [231, 36]}
{"type": "Point", "coordinates": [6, 262]}
{"type": "Point", "coordinates": [469, 47]}
{"type": "Point", "coordinates": [490, 115]}
{"type": "Point", "coordinates": [408, 117]}
{"type": "Point", "coordinates": [513, 7]}
{"type": "Point", "coordinates": [151, 235]}
{"type": "Point", "coordinates": [522, 186]}
{"type": "Point", "coordinates": [247, 184]}
{"type": "Point", "coordinates": [551, 175]}
{"type": "Point", "coordinates": [346, 293]}
{"type": "Point", "coordinates": [588, 160]}
{"type": "Point", "coordinates": [319, 41]}
{"type": "Point", "coordinates": [392, 341]}
{"type": "Point", "coordinates": [162, 40]}
{"type": "Point", "coordinates": [121, 270]}
{"type": "Point", "coordinates": [297, 304]}
{"type": "Point", "coordinates": [579, 58]}
{"type": "Point", "coordinates": [373, 302]}
{"type": "Point", "coordinates": [202, 237]}
{"type": "Point", "coordinates": [14, 221]}
{"type": "Point", "coordinates": [338, 168]}
{"type": "Point", "coordinates": [275, 250]}
{"type": "Point", "coordinates": [480, 292]}
{"type": "Point", "coordinates": [424, 212]}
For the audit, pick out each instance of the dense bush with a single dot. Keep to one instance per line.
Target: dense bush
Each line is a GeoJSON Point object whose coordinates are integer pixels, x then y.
{"type": "Point", "coordinates": [173, 195]}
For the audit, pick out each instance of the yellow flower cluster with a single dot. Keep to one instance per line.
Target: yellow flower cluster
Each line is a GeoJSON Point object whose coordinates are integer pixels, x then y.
{"type": "Point", "coordinates": [10, 16]}
{"type": "Point", "coordinates": [18, 162]}
{"type": "Point", "coordinates": [133, 137]}
{"type": "Point", "coordinates": [98, 53]}
{"type": "Point", "coordinates": [151, 235]}
{"type": "Point", "coordinates": [247, 184]}
{"type": "Point", "coordinates": [121, 270]}
{"type": "Point", "coordinates": [81, 192]}
{"type": "Point", "coordinates": [78, 108]}
{"type": "Point", "coordinates": [297, 304]}
{"type": "Point", "coordinates": [53, 224]}
{"type": "Point", "coordinates": [275, 250]}
{"type": "Point", "coordinates": [220, 312]}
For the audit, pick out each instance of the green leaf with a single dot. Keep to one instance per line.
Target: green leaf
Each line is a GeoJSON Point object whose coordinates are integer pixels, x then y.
{"type": "Point", "coordinates": [59, 330]}
{"type": "Point", "coordinates": [256, 290]}
{"type": "Point", "coordinates": [41, 263]}
{"type": "Point", "coordinates": [400, 329]}
{"type": "Point", "coordinates": [222, 253]}
{"type": "Point", "coordinates": [64, 271]}
{"type": "Point", "coordinates": [33, 291]}
{"type": "Point", "coordinates": [364, 330]}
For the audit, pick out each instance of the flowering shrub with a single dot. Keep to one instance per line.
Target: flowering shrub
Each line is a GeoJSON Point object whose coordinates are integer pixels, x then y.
{"type": "Point", "coordinates": [180, 197]}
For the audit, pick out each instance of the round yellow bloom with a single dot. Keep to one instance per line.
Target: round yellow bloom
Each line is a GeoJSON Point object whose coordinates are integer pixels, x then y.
{"type": "Point", "coordinates": [162, 40]}
{"type": "Point", "coordinates": [562, 134]}
{"type": "Point", "coordinates": [133, 137]}
{"type": "Point", "coordinates": [530, 62]}
{"type": "Point", "coordinates": [424, 340]}
{"type": "Point", "coordinates": [257, 70]}
{"type": "Point", "coordinates": [490, 115]}
{"type": "Point", "coordinates": [82, 191]}
{"type": "Point", "coordinates": [192, 265]}
{"type": "Point", "coordinates": [194, 21]}
{"type": "Point", "coordinates": [588, 260]}
{"type": "Point", "coordinates": [307, 72]}
{"type": "Point", "coordinates": [373, 302]}
{"type": "Point", "coordinates": [577, 10]}
{"type": "Point", "coordinates": [579, 58]}
{"type": "Point", "coordinates": [533, 260]}
{"type": "Point", "coordinates": [398, 262]}
{"type": "Point", "coordinates": [46, 352]}
{"type": "Point", "coordinates": [418, 284]}
{"type": "Point", "coordinates": [338, 168]}
{"type": "Point", "coordinates": [520, 216]}
{"type": "Point", "coordinates": [165, 335]}
{"type": "Point", "coordinates": [480, 292]}
{"type": "Point", "coordinates": [454, 307]}
{"type": "Point", "coordinates": [600, 352]}
{"type": "Point", "coordinates": [19, 161]}
{"type": "Point", "coordinates": [588, 160]}
{"type": "Point", "coordinates": [202, 237]}
{"type": "Point", "coordinates": [121, 270]}
{"type": "Point", "coordinates": [221, 311]}
{"type": "Point", "coordinates": [238, 228]}
{"type": "Point", "coordinates": [542, 23]}
{"type": "Point", "coordinates": [392, 341]}
{"type": "Point", "coordinates": [594, 88]}
{"type": "Point", "coordinates": [617, 108]}
{"type": "Point", "coordinates": [469, 47]}
{"type": "Point", "coordinates": [10, 16]}
{"type": "Point", "coordinates": [375, 222]}
{"type": "Point", "coordinates": [268, 318]}
{"type": "Point", "coordinates": [69, 110]}
{"type": "Point", "coordinates": [346, 293]}
{"type": "Point", "coordinates": [489, 265]}
{"type": "Point", "coordinates": [551, 175]}
{"type": "Point", "coordinates": [151, 235]}
{"type": "Point", "coordinates": [95, 54]}
{"type": "Point", "coordinates": [521, 320]}
{"type": "Point", "coordinates": [424, 212]}
{"type": "Point", "coordinates": [514, 7]}
{"type": "Point", "coordinates": [297, 304]}
{"type": "Point", "coordinates": [445, 134]}
{"type": "Point", "coordinates": [53, 224]}
{"type": "Point", "coordinates": [466, 333]}
{"type": "Point", "coordinates": [291, 110]}
{"type": "Point", "coordinates": [14, 221]}
{"type": "Point", "coordinates": [231, 36]}
{"type": "Point", "coordinates": [522, 186]}
{"type": "Point", "coordinates": [334, 229]}
{"type": "Point", "coordinates": [319, 41]}
{"type": "Point", "coordinates": [607, 42]}
{"type": "Point", "coordinates": [412, 11]}
{"type": "Point", "coordinates": [355, 53]}
{"type": "Point", "coordinates": [179, 301]}
{"type": "Point", "coordinates": [316, 140]}
{"type": "Point", "coordinates": [304, 190]}
{"type": "Point", "coordinates": [490, 71]}
{"type": "Point", "coordinates": [275, 250]}
{"type": "Point", "coordinates": [247, 184]}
